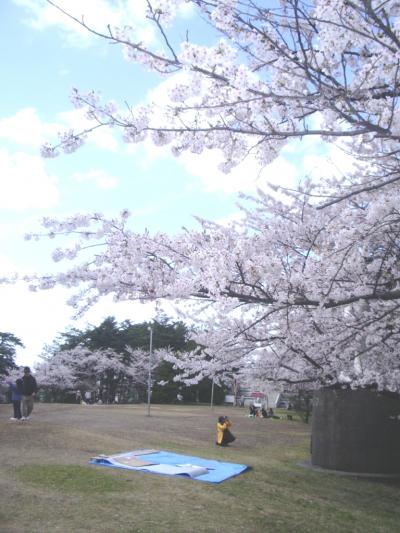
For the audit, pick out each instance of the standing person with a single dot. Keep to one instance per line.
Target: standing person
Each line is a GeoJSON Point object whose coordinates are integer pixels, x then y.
{"type": "Point", "coordinates": [29, 390]}
{"type": "Point", "coordinates": [16, 395]}
{"type": "Point", "coordinates": [88, 397]}
{"type": "Point", "coordinates": [224, 436]}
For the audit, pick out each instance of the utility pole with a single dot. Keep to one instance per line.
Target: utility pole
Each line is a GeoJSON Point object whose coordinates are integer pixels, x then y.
{"type": "Point", "coordinates": [149, 376]}
{"type": "Point", "coordinates": [212, 394]}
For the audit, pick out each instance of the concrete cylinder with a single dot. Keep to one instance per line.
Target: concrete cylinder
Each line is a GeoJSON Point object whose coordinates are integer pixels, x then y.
{"type": "Point", "coordinates": [356, 431]}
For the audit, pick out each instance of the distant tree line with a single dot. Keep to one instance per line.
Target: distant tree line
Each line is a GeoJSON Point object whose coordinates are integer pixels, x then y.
{"type": "Point", "coordinates": [111, 361]}
{"type": "Point", "coordinates": [8, 345]}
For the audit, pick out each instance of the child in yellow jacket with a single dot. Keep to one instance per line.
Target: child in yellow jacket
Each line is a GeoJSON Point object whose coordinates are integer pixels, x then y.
{"type": "Point", "coordinates": [224, 436]}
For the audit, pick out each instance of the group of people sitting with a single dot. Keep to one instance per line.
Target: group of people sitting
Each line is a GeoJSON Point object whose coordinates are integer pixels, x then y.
{"type": "Point", "coordinates": [261, 412]}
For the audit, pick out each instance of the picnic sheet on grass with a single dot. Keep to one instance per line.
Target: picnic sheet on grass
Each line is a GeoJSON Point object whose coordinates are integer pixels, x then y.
{"type": "Point", "coordinates": [172, 464]}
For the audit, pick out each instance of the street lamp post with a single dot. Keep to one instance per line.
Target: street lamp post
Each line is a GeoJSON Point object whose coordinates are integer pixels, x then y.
{"type": "Point", "coordinates": [212, 394]}
{"type": "Point", "coordinates": [149, 376]}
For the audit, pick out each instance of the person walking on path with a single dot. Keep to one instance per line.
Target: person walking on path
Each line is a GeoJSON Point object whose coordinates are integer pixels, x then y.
{"type": "Point", "coordinates": [16, 396]}
{"type": "Point", "coordinates": [29, 390]}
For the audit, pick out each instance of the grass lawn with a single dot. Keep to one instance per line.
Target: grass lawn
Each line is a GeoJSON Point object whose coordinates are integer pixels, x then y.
{"type": "Point", "coordinates": [46, 484]}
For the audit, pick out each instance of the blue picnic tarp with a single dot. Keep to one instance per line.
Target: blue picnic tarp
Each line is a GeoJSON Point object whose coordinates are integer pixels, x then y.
{"type": "Point", "coordinates": [175, 464]}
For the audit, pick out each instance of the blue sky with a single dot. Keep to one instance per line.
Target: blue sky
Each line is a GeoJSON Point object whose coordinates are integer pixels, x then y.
{"type": "Point", "coordinates": [42, 57]}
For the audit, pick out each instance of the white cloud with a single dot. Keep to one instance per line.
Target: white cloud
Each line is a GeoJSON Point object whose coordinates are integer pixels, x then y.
{"type": "Point", "coordinates": [246, 177]}
{"type": "Point", "coordinates": [234, 217]}
{"type": "Point", "coordinates": [35, 318]}
{"type": "Point", "coordinates": [99, 177]}
{"type": "Point", "coordinates": [7, 265]}
{"type": "Point", "coordinates": [26, 128]}
{"type": "Point", "coordinates": [309, 157]}
{"type": "Point", "coordinates": [187, 10]}
{"type": "Point", "coordinates": [38, 317]}
{"type": "Point", "coordinates": [205, 166]}
{"type": "Point", "coordinates": [97, 14]}
{"type": "Point", "coordinates": [334, 162]}
{"type": "Point", "coordinates": [24, 182]}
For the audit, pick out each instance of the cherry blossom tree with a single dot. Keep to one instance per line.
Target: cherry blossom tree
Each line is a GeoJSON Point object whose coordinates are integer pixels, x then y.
{"type": "Point", "coordinates": [315, 277]}
{"type": "Point", "coordinates": [313, 308]}
{"type": "Point", "coordinates": [101, 370]}
{"type": "Point", "coordinates": [113, 359]}
{"type": "Point", "coordinates": [306, 284]}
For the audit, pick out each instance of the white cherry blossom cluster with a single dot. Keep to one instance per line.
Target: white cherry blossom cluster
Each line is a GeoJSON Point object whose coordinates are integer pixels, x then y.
{"type": "Point", "coordinates": [305, 292]}
{"type": "Point", "coordinates": [80, 368]}
{"type": "Point", "coordinates": [273, 70]}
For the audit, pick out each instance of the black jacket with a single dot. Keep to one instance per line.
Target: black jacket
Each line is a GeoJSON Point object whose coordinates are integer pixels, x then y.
{"type": "Point", "coordinates": [29, 385]}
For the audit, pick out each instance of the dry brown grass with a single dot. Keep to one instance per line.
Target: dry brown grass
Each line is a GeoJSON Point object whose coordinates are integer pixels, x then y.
{"type": "Point", "coordinates": [46, 484]}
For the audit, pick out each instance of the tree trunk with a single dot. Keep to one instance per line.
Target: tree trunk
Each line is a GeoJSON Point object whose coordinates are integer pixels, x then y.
{"type": "Point", "coordinates": [356, 431]}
